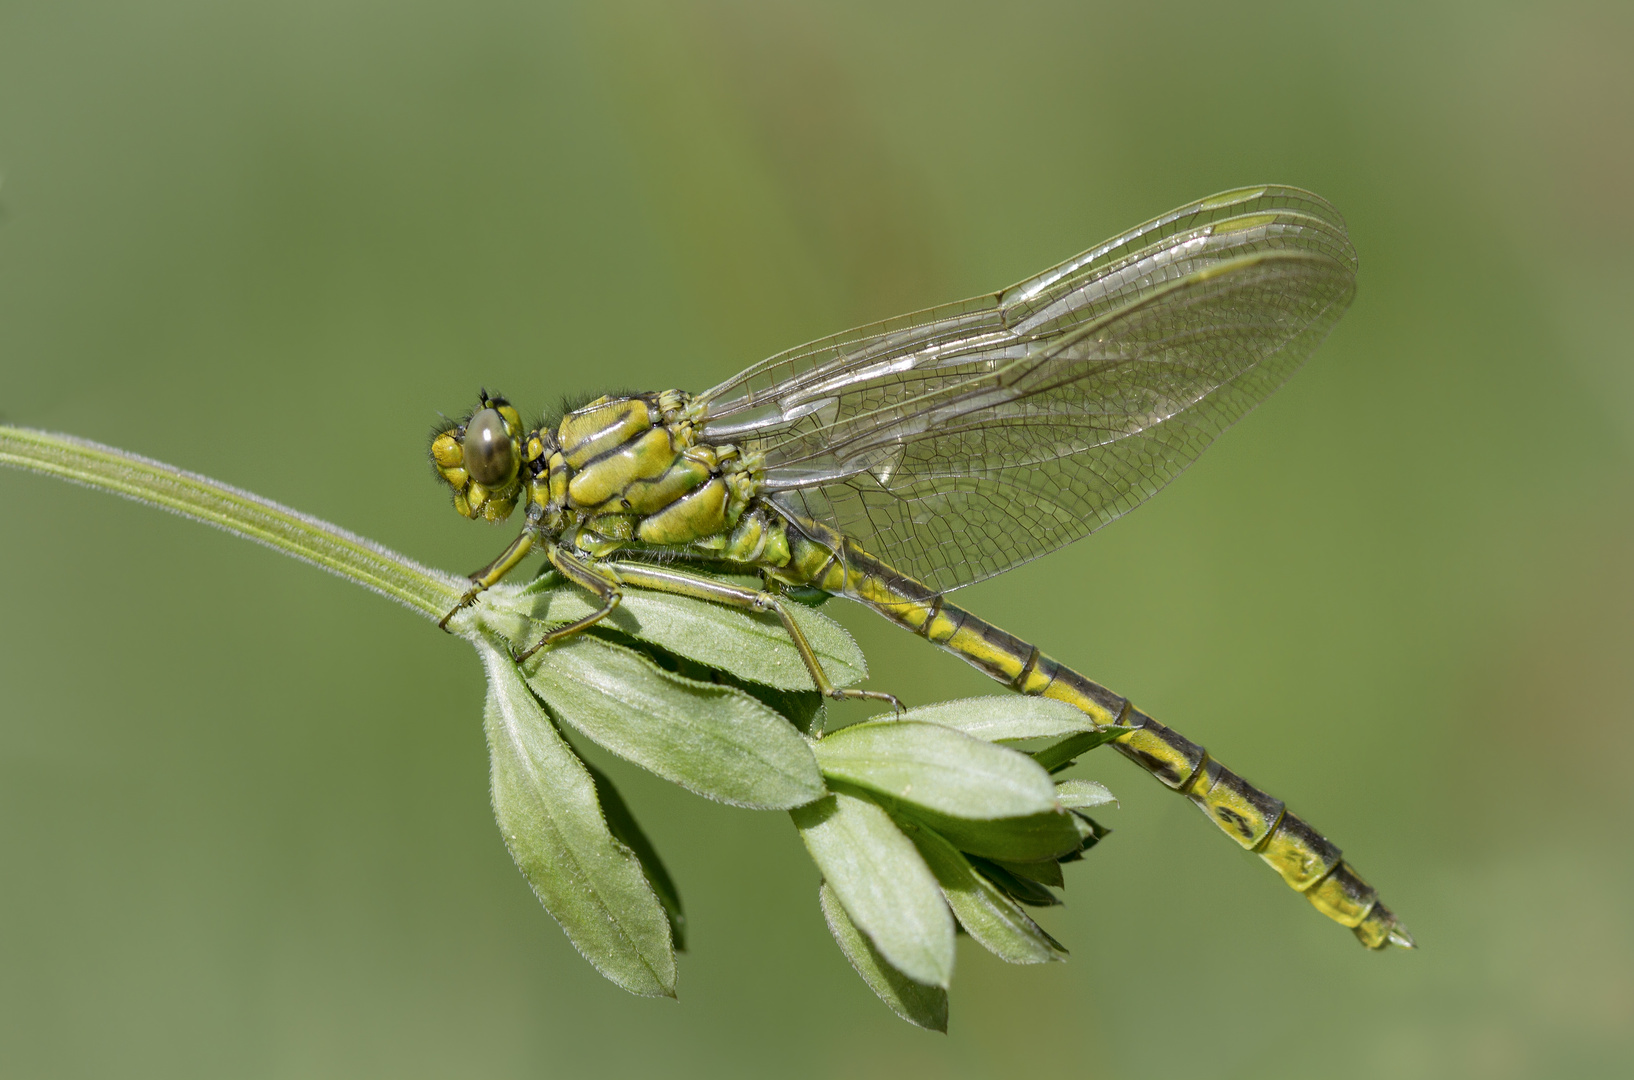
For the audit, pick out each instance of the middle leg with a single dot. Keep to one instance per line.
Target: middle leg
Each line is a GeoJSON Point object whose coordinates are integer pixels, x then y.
{"type": "Point", "coordinates": [594, 579]}
{"type": "Point", "coordinates": [679, 583]}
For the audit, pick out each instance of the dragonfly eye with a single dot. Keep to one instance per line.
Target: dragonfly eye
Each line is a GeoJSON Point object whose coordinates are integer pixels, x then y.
{"type": "Point", "coordinates": [489, 455]}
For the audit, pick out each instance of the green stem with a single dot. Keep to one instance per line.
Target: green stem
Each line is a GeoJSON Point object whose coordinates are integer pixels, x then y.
{"type": "Point", "coordinates": [430, 592]}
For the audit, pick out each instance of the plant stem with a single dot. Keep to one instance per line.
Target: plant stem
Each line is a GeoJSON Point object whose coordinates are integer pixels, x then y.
{"type": "Point", "coordinates": [430, 592]}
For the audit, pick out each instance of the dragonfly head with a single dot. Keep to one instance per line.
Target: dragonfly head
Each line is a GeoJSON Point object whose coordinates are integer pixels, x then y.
{"type": "Point", "coordinates": [481, 459]}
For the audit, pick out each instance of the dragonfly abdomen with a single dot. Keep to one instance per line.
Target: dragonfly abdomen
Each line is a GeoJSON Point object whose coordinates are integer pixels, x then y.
{"type": "Point", "coordinates": [1259, 822]}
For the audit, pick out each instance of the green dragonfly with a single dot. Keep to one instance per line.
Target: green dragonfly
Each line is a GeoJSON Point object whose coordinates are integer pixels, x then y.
{"type": "Point", "coordinates": [894, 463]}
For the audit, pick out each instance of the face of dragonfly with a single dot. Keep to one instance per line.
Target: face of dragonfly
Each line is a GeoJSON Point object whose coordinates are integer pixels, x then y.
{"type": "Point", "coordinates": [481, 459]}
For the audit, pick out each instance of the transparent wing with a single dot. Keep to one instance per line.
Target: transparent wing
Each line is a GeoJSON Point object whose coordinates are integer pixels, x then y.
{"type": "Point", "coordinates": [962, 441]}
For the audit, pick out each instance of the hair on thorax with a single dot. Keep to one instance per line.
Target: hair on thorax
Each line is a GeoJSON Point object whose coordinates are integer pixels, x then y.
{"type": "Point", "coordinates": [552, 418]}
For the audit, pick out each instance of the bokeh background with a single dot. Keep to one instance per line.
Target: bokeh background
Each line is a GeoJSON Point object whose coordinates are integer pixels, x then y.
{"type": "Point", "coordinates": [244, 823]}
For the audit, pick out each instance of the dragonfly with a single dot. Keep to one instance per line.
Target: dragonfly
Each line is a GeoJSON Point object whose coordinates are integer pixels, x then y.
{"type": "Point", "coordinates": [897, 462]}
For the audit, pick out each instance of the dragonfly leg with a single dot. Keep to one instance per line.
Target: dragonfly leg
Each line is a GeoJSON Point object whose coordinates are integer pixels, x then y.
{"type": "Point", "coordinates": [678, 583]}
{"type": "Point", "coordinates": [604, 585]}
{"type": "Point", "coordinates": [491, 573]}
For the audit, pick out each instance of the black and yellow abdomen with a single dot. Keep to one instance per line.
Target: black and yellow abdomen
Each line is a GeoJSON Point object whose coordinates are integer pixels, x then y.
{"type": "Point", "coordinates": [1307, 861]}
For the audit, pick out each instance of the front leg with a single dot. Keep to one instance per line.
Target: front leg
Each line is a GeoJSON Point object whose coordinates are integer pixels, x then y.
{"type": "Point", "coordinates": [594, 579]}
{"type": "Point", "coordinates": [490, 574]}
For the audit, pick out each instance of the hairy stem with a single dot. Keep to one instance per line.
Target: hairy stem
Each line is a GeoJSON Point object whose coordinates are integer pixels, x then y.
{"type": "Point", "coordinates": [430, 592]}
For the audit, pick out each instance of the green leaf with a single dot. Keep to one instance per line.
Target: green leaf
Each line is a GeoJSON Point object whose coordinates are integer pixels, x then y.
{"type": "Point", "coordinates": [1018, 888]}
{"type": "Point", "coordinates": [623, 825]}
{"type": "Point", "coordinates": [1064, 753]}
{"type": "Point", "coordinates": [1013, 719]}
{"type": "Point", "coordinates": [937, 768]}
{"type": "Point", "coordinates": [1045, 872]}
{"type": "Point", "coordinates": [916, 1003]}
{"type": "Point", "coordinates": [750, 645]}
{"type": "Point", "coordinates": [805, 709]}
{"type": "Point", "coordinates": [1090, 831]}
{"type": "Point", "coordinates": [545, 803]}
{"type": "Point", "coordinates": [1082, 794]}
{"type": "Point", "coordinates": [1009, 716]}
{"type": "Point", "coordinates": [882, 881]}
{"type": "Point", "coordinates": [987, 915]}
{"type": "Point", "coordinates": [809, 595]}
{"type": "Point", "coordinates": [714, 740]}
{"type": "Point", "coordinates": [1019, 839]}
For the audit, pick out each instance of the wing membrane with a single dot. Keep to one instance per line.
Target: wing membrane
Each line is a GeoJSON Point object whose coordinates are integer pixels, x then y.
{"type": "Point", "coordinates": [962, 441]}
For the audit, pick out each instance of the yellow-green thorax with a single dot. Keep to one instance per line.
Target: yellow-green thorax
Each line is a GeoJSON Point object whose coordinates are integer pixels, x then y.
{"type": "Point", "coordinates": [632, 472]}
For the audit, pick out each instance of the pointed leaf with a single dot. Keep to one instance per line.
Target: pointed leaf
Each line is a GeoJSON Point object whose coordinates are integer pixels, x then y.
{"type": "Point", "coordinates": [1090, 831]}
{"type": "Point", "coordinates": [713, 740]}
{"type": "Point", "coordinates": [1008, 716]}
{"type": "Point", "coordinates": [750, 645]}
{"type": "Point", "coordinates": [1023, 890]}
{"type": "Point", "coordinates": [805, 709]}
{"type": "Point", "coordinates": [545, 803]}
{"type": "Point", "coordinates": [623, 825]}
{"type": "Point", "coordinates": [937, 768]}
{"type": "Point", "coordinates": [883, 883]}
{"type": "Point", "coordinates": [988, 915]}
{"type": "Point", "coordinates": [1082, 794]}
{"type": "Point", "coordinates": [916, 1003]}
{"type": "Point", "coordinates": [1064, 753]}
{"type": "Point", "coordinates": [1045, 872]}
{"type": "Point", "coordinates": [1021, 839]}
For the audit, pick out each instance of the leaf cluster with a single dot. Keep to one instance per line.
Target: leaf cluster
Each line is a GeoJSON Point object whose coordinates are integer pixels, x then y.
{"type": "Point", "coordinates": [946, 819]}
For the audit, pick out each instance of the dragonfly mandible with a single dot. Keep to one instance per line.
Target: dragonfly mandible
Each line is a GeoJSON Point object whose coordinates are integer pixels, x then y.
{"type": "Point", "coordinates": [894, 463]}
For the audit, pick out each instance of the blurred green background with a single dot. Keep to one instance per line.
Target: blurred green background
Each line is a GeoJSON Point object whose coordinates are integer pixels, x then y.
{"type": "Point", "coordinates": [244, 823]}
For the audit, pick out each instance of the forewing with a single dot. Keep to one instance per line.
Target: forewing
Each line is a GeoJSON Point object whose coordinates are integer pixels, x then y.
{"type": "Point", "coordinates": [963, 441]}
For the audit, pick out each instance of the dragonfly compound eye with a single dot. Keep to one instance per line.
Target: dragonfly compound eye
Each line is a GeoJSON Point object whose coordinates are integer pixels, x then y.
{"type": "Point", "coordinates": [489, 456]}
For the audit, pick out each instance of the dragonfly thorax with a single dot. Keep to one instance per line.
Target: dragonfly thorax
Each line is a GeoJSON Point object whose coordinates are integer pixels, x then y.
{"type": "Point", "coordinates": [633, 471]}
